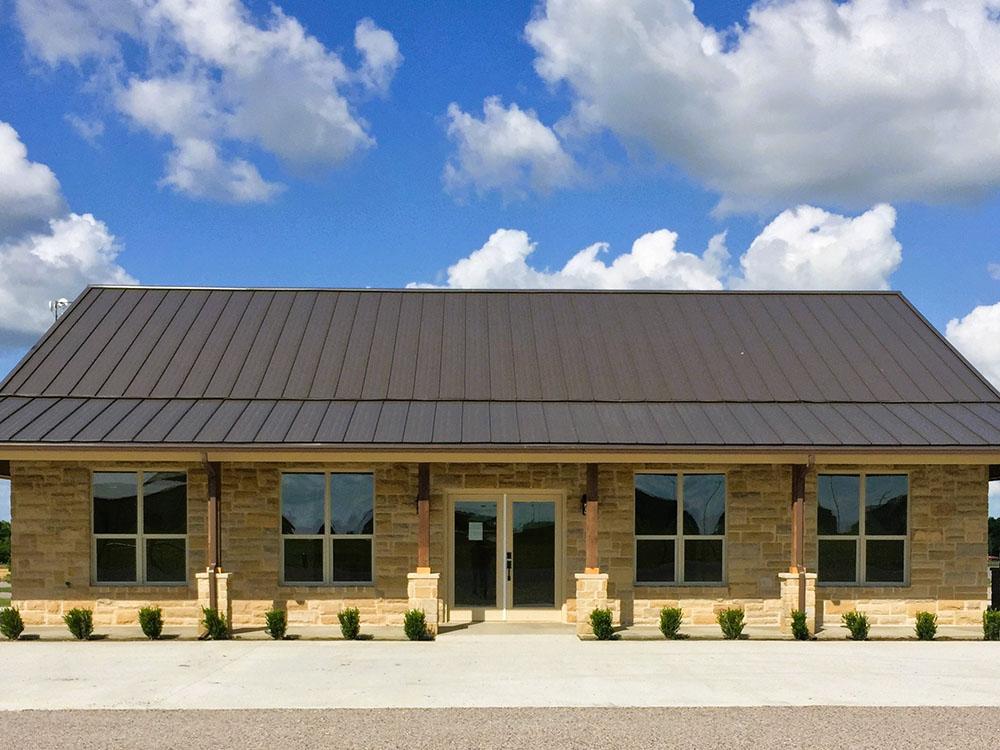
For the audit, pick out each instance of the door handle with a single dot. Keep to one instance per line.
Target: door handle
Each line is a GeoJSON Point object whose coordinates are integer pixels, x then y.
{"type": "Point", "coordinates": [510, 564]}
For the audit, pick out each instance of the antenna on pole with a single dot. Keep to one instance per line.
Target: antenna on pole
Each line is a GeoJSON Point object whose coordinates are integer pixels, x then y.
{"type": "Point", "coordinates": [58, 306]}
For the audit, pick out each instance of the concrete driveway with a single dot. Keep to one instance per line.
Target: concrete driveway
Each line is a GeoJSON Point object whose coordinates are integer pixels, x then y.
{"type": "Point", "coordinates": [474, 670]}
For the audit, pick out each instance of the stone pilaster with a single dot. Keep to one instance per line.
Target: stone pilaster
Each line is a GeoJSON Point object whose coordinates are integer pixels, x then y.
{"type": "Point", "coordinates": [422, 590]}
{"type": "Point", "coordinates": [790, 583]}
{"type": "Point", "coordinates": [591, 594]}
{"type": "Point", "coordinates": [222, 592]}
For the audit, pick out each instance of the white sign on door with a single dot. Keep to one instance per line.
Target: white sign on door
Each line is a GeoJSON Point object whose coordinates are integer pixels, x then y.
{"type": "Point", "coordinates": [475, 531]}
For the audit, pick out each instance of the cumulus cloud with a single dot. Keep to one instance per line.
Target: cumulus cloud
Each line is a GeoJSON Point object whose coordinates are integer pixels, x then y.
{"type": "Point", "coordinates": [214, 80]}
{"type": "Point", "coordinates": [994, 269]}
{"type": "Point", "coordinates": [802, 248]}
{"type": "Point", "coordinates": [809, 248]}
{"type": "Point", "coordinates": [977, 336]}
{"type": "Point", "coordinates": [508, 150]}
{"type": "Point", "coordinates": [850, 103]}
{"type": "Point", "coordinates": [54, 256]}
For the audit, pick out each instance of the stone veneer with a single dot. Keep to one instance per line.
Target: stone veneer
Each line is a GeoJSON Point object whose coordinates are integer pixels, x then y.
{"type": "Point", "coordinates": [52, 545]}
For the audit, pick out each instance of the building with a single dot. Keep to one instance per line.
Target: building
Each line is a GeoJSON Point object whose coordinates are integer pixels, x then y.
{"type": "Point", "coordinates": [497, 455]}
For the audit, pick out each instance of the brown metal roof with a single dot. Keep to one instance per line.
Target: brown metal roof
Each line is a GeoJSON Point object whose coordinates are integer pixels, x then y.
{"type": "Point", "coordinates": [143, 365]}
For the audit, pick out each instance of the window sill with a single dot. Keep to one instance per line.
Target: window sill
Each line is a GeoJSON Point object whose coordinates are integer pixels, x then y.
{"type": "Point", "coordinates": [828, 585]}
{"type": "Point", "coordinates": [325, 585]}
{"type": "Point", "coordinates": [134, 585]}
{"type": "Point", "coordinates": [680, 585]}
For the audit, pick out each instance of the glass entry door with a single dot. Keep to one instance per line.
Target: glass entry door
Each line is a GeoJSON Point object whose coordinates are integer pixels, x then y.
{"type": "Point", "coordinates": [505, 556]}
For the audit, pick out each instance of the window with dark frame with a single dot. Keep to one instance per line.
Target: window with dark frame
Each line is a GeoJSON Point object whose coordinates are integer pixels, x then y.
{"type": "Point", "coordinates": [139, 527]}
{"type": "Point", "coordinates": [680, 528]}
{"type": "Point", "coordinates": [327, 528]}
{"type": "Point", "coordinates": [862, 528]}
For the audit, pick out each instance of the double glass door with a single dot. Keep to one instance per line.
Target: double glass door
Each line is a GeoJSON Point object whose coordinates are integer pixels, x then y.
{"type": "Point", "coordinates": [504, 559]}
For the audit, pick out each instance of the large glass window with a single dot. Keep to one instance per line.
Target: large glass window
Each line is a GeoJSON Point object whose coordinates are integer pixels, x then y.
{"type": "Point", "coordinates": [327, 528]}
{"type": "Point", "coordinates": [862, 527]}
{"type": "Point", "coordinates": [680, 528]}
{"type": "Point", "coordinates": [139, 527]}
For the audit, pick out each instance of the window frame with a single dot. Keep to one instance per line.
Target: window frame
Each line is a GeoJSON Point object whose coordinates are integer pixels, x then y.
{"type": "Point", "coordinates": [680, 537]}
{"type": "Point", "coordinates": [862, 538]}
{"type": "Point", "coordinates": [326, 537]}
{"type": "Point", "coordinates": [140, 536]}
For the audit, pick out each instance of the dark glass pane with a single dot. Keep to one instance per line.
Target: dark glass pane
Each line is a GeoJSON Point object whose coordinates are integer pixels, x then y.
{"type": "Point", "coordinates": [654, 560]}
{"type": "Point", "coordinates": [115, 561]}
{"type": "Point", "coordinates": [655, 504]}
{"type": "Point", "coordinates": [884, 561]}
{"type": "Point", "coordinates": [534, 558]}
{"type": "Point", "coordinates": [885, 504]}
{"type": "Point", "coordinates": [838, 561]}
{"type": "Point", "coordinates": [166, 560]}
{"type": "Point", "coordinates": [705, 504]}
{"type": "Point", "coordinates": [839, 503]}
{"type": "Point", "coordinates": [115, 502]}
{"type": "Point", "coordinates": [164, 503]}
{"type": "Point", "coordinates": [476, 554]}
{"type": "Point", "coordinates": [303, 560]}
{"type": "Point", "coordinates": [703, 560]}
{"type": "Point", "coordinates": [302, 497]}
{"type": "Point", "coordinates": [352, 499]}
{"type": "Point", "coordinates": [352, 560]}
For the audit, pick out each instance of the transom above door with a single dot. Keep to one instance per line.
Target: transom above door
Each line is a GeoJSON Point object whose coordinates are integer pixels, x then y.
{"type": "Point", "coordinates": [505, 555]}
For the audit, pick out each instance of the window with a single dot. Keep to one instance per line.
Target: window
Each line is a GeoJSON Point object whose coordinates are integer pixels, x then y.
{"type": "Point", "coordinates": [140, 527]}
{"type": "Point", "coordinates": [862, 527]}
{"type": "Point", "coordinates": [680, 528]}
{"type": "Point", "coordinates": [327, 528]}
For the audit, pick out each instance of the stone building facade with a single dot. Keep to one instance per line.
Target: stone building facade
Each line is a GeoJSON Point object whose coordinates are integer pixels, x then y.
{"type": "Point", "coordinates": [52, 544]}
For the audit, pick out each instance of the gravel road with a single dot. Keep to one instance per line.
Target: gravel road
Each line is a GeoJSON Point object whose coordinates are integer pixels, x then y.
{"type": "Point", "coordinates": [814, 727]}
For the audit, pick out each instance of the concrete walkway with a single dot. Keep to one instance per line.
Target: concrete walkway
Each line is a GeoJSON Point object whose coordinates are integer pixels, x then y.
{"type": "Point", "coordinates": [470, 669]}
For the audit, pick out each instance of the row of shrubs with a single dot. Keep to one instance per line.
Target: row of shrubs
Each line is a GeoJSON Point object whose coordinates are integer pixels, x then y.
{"type": "Point", "coordinates": [731, 622]}
{"type": "Point", "coordinates": [80, 623]}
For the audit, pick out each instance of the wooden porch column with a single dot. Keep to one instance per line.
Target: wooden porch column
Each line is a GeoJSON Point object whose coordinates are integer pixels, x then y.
{"type": "Point", "coordinates": [798, 529]}
{"type": "Point", "coordinates": [214, 471]}
{"type": "Point", "coordinates": [591, 510]}
{"type": "Point", "coordinates": [424, 518]}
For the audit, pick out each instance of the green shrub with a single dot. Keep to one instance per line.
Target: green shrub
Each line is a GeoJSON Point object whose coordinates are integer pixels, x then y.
{"type": "Point", "coordinates": [799, 628]}
{"type": "Point", "coordinates": [80, 623]}
{"type": "Point", "coordinates": [415, 625]}
{"type": "Point", "coordinates": [601, 622]}
{"type": "Point", "coordinates": [926, 626]}
{"type": "Point", "coordinates": [11, 624]}
{"type": "Point", "coordinates": [276, 623]}
{"type": "Point", "coordinates": [991, 625]}
{"type": "Point", "coordinates": [151, 622]}
{"type": "Point", "coordinates": [731, 622]}
{"type": "Point", "coordinates": [216, 628]}
{"type": "Point", "coordinates": [350, 623]}
{"type": "Point", "coordinates": [857, 623]}
{"type": "Point", "coordinates": [670, 621]}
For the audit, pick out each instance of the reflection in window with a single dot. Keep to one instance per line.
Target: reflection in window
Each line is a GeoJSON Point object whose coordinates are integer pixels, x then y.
{"type": "Point", "coordinates": [139, 527]}
{"type": "Point", "coordinates": [862, 527]}
{"type": "Point", "coordinates": [327, 526]}
{"type": "Point", "coordinates": [692, 552]}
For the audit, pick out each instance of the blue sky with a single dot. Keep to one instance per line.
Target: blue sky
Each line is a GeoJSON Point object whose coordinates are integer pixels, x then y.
{"type": "Point", "coordinates": [166, 165]}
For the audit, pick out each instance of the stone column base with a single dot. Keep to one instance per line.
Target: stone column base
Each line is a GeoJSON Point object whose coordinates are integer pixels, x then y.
{"type": "Point", "coordinates": [591, 594]}
{"type": "Point", "coordinates": [790, 583]}
{"type": "Point", "coordinates": [422, 590]}
{"type": "Point", "coordinates": [225, 606]}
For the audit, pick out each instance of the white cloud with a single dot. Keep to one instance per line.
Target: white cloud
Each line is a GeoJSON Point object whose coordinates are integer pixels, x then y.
{"type": "Point", "coordinates": [802, 248]}
{"type": "Point", "coordinates": [210, 72]}
{"type": "Point", "coordinates": [977, 336]}
{"type": "Point", "coordinates": [88, 129]}
{"type": "Point", "coordinates": [29, 192]}
{"type": "Point", "coordinates": [809, 248]}
{"type": "Point", "coordinates": [994, 270]}
{"type": "Point", "coordinates": [509, 150]}
{"type": "Point", "coordinates": [379, 53]}
{"type": "Point", "coordinates": [59, 254]}
{"type": "Point", "coordinates": [852, 102]}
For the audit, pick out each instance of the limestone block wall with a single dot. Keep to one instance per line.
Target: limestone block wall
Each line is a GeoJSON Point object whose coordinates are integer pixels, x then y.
{"type": "Point", "coordinates": [758, 546]}
{"type": "Point", "coordinates": [51, 548]}
{"type": "Point", "coordinates": [51, 545]}
{"type": "Point", "coordinates": [947, 551]}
